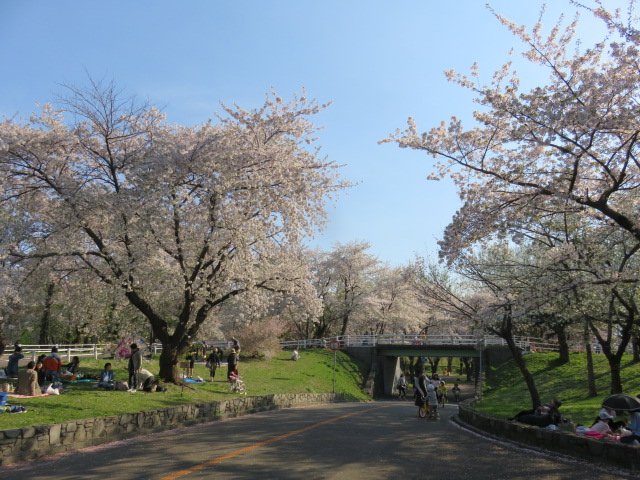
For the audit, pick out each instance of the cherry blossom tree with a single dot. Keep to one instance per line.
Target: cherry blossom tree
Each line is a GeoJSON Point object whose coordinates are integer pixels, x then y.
{"type": "Point", "coordinates": [344, 279]}
{"type": "Point", "coordinates": [564, 150]}
{"type": "Point", "coordinates": [393, 306]}
{"type": "Point", "coordinates": [570, 145]}
{"type": "Point", "coordinates": [179, 219]}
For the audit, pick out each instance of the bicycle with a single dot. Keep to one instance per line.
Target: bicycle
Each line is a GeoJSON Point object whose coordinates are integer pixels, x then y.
{"type": "Point", "coordinates": [237, 385]}
{"type": "Point", "coordinates": [423, 406]}
{"type": "Point", "coordinates": [443, 399]}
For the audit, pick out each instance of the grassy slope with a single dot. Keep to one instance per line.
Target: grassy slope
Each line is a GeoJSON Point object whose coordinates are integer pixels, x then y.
{"type": "Point", "coordinates": [313, 373]}
{"type": "Point", "coordinates": [506, 393]}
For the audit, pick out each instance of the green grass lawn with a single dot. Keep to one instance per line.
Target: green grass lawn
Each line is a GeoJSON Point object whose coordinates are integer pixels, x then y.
{"type": "Point", "coordinates": [505, 392]}
{"type": "Point", "coordinates": [313, 373]}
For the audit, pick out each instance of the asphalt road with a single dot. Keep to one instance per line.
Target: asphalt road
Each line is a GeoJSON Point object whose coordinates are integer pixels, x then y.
{"type": "Point", "coordinates": [377, 440]}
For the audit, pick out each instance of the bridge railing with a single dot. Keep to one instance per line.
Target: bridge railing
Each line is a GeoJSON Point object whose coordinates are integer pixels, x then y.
{"type": "Point", "coordinates": [526, 343]}
{"type": "Point", "coordinates": [386, 339]}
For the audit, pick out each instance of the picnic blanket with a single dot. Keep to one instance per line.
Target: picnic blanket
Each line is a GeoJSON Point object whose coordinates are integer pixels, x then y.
{"type": "Point", "coordinates": [191, 380]}
{"type": "Point", "coordinates": [15, 395]}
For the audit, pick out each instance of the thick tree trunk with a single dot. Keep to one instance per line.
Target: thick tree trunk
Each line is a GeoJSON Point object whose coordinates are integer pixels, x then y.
{"type": "Point", "coordinates": [45, 321]}
{"type": "Point", "coordinates": [412, 366]}
{"type": "Point", "coordinates": [526, 374]}
{"type": "Point", "coordinates": [616, 380]}
{"type": "Point", "coordinates": [505, 331]}
{"type": "Point", "coordinates": [614, 358]}
{"type": "Point", "coordinates": [345, 324]}
{"type": "Point", "coordinates": [174, 346]}
{"type": "Point", "coordinates": [635, 344]}
{"type": "Point", "coordinates": [435, 364]}
{"type": "Point", "coordinates": [591, 378]}
{"type": "Point", "coordinates": [169, 361]}
{"type": "Point", "coordinates": [614, 367]}
{"type": "Point", "coordinates": [467, 368]}
{"type": "Point", "coordinates": [563, 344]}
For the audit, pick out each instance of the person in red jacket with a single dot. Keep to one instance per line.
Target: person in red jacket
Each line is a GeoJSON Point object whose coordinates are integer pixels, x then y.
{"type": "Point", "coordinates": [52, 365]}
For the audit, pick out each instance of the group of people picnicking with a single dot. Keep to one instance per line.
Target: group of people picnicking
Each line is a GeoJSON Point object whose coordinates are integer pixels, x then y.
{"type": "Point", "coordinates": [40, 376]}
{"type": "Point", "coordinates": [46, 373]}
{"type": "Point", "coordinates": [609, 424]}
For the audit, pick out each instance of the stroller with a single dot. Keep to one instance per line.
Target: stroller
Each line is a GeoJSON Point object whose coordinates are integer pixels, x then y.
{"type": "Point", "coordinates": [236, 384]}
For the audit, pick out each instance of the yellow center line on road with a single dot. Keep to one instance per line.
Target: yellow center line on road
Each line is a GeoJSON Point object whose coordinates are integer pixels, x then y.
{"type": "Point", "coordinates": [195, 468]}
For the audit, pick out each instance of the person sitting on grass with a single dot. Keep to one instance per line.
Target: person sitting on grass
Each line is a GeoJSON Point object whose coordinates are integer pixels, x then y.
{"type": "Point", "coordinates": [603, 424]}
{"type": "Point", "coordinates": [543, 416]}
{"type": "Point", "coordinates": [40, 370]}
{"type": "Point", "coordinates": [53, 365]}
{"type": "Point", "coordinates": [634, 426]}
{"type": "Point", "coordinates": [28, 381]}
{"type": "Point", "coordinates": [14, 360]}
{"type": "Point", "coordinates": [106, 378]}
{"type": "Point", "coordinates": [72, 367]}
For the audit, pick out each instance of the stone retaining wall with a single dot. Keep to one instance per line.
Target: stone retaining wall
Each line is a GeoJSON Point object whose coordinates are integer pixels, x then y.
{"type": "Point", "coordinates": [23, 444]}
{"type": "Point", "coordinates": [613, 454]}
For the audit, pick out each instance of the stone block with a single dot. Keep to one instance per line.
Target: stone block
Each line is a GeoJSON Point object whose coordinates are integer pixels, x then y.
{"type": "Point", "coordinates": [54, 434]}
{"type": "Point", "coordinates": [98, 428]}
{"type": "Point", "coordinates": [28, 432]}
{"type": "Point", "coordinates": [13, 433]}
{"type": "Point", "coordinates": [29, 445]}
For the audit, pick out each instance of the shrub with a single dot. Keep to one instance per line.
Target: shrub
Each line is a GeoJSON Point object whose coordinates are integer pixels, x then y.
{"type": "Point", "coordinates": [261, 338]}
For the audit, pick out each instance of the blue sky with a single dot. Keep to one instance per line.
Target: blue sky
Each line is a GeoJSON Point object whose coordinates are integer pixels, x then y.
{"type": "Point", "coordinates": [378, 62]}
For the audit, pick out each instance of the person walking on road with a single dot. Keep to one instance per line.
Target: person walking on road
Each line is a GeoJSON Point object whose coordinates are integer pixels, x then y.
{"type": "Point", "coordinates": [432, 399]}
{"type": "Point", "coordinates": [421, 385]}
{"type": "Point", "coordinates": [402, 387]}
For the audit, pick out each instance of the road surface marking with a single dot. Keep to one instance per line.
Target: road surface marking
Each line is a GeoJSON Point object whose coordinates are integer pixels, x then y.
{"type": "Point", "coordinates": [195, 468]}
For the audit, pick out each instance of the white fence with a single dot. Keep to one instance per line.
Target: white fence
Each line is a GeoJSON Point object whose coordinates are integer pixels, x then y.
{"type": "Point", "coordinates": [526, 343]}
{"type": "Point", "coordinates": [79, 350]}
